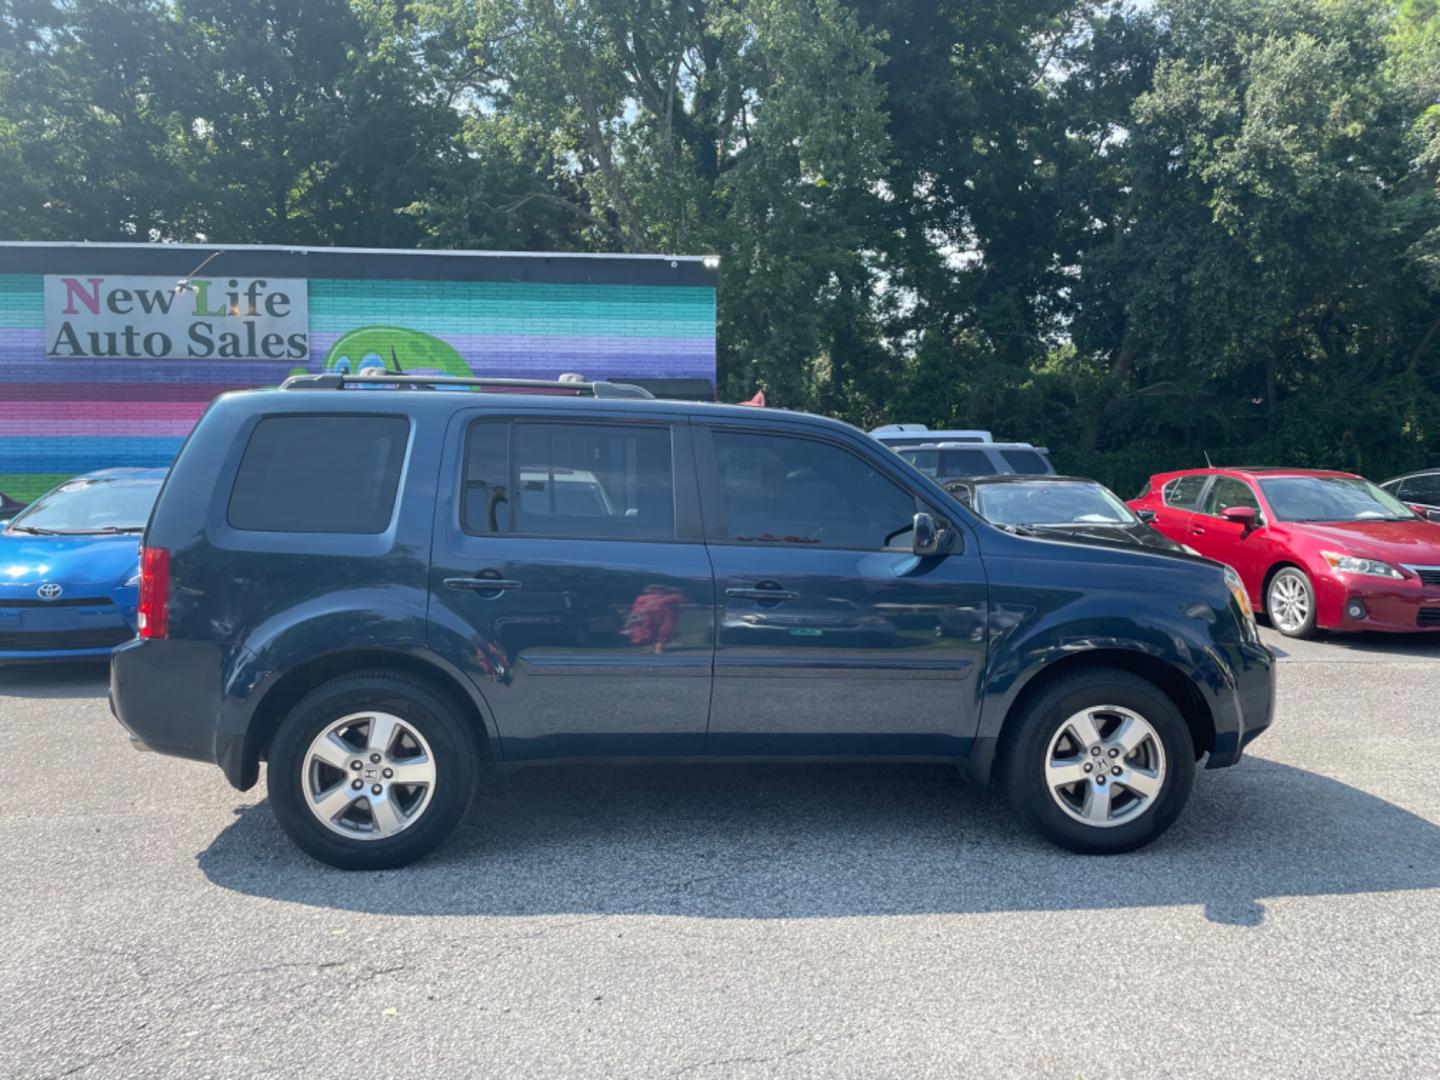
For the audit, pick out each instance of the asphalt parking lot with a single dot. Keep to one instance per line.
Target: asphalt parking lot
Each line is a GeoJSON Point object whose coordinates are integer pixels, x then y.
{"type": "Point", "coordinates": [736, 921]}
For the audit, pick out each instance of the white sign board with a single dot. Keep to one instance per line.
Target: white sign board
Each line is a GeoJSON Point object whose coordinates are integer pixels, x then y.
{"type": "Point", "coordinates": [123, 317]}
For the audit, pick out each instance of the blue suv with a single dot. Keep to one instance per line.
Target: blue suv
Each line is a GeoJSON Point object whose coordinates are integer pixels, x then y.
{"type": "Point", "coordinates": [376, 588]}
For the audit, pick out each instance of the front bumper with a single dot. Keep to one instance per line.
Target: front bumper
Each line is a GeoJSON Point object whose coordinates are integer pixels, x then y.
{"type": "Point", "coordinates": [1392, 606]}
{"type": "Point", "coordinates": [1246, 706]}
{"type": "Point", "coordinates": [37, 631]}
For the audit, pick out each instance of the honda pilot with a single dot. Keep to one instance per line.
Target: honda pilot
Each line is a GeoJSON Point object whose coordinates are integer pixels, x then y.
{"type": "Point", "coordinates": [378, 590]}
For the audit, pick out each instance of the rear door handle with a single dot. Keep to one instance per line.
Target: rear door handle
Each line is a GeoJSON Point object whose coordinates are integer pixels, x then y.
{"type": "Point", "coordinates": [772, 596]}
{"type": "Point", "coordinates": [482, 584]}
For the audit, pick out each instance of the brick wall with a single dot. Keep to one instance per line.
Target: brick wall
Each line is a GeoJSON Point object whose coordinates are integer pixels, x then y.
{"type": "Point", "coordinates": [59, 417]}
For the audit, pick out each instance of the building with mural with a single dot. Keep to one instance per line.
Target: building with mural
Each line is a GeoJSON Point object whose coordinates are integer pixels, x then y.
{"type": "Point", "coordinates": [110, 352]}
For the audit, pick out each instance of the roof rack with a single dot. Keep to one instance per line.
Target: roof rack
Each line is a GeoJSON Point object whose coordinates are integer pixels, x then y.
{"type": "Point", "coordinates": [334, 380]}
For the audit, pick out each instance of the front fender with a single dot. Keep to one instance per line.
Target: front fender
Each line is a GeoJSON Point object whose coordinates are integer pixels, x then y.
{"type": "Point", "coordinates": [1147, 613]}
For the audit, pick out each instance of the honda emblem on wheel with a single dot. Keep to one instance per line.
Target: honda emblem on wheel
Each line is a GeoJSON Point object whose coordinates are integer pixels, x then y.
{"type": "Point", "coordinates": [49, 591]}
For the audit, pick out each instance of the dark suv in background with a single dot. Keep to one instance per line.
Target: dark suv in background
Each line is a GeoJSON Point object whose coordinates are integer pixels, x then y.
{"type": "Point", "coordinates": [376, 590]}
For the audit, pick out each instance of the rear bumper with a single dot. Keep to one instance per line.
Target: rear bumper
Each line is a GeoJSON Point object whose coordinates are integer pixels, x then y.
{"type": "Point", "coordinates": [186, 699]}
{"type": "Point", "coordinates": [1246, 706]}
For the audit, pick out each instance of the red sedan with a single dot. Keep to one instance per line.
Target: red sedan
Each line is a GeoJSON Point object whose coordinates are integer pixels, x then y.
{"type": "Point", "coordinates": [1314, 548]}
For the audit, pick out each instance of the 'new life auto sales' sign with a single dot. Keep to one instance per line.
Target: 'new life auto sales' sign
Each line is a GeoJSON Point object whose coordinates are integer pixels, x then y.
{"type": "Point", "coordinates": [149, 318]}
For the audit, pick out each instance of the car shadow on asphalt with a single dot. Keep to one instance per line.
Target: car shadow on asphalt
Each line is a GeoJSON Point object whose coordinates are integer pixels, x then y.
{"type": "Point", "coordinates": [61, 679]}
{"type": "Point", "coordinates": [845, 840]}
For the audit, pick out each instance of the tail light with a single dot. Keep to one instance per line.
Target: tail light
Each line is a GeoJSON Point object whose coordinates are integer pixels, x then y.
{"type": "Point", "coordinates": [154, 607]}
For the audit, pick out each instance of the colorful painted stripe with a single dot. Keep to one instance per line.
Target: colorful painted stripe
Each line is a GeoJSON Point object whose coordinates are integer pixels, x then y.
{"type": "Point", "coordinates": [61, 416]}
{"type": "Point", "coordinates": [29, 486]}
{"type": "Point", "coordinates": [33, 453]}
{"type": "Point", "coordinates": [107, 427]}
{"type": "Point", "coordinates": [76, 409]}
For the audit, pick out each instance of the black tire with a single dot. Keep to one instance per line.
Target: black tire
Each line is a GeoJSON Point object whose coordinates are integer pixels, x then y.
{"type": "Point", "coordinates": [1026, 748]}
{"type": "Point", "coordinates": [1305, 628]}
{"type": "Point", "coordinates": [452, 742]}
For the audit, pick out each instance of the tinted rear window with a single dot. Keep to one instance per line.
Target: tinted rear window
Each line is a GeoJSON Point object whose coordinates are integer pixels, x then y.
{"type": "Point", "coordinates": [308, 474]}
{"type": "Point", "coordinates": [943, 464]}
{"type": "Point", "coordinates": [1025, 462]}
{"type": "Point", "coordinates": [1422, 489]}
{"type": "Point", "coordinates": [580, 481]}
{"type": "Point", "coordinates": [1184, 492]}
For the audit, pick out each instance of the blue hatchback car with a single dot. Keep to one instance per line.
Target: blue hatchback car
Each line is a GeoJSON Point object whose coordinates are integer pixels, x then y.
{"type": "Point", "coordinates": [69, 567]}
{"type": "Point", "coordinates": [372, 593]}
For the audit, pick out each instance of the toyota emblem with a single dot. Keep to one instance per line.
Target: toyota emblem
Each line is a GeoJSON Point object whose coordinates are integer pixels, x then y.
{"type": "Point", "coordinates": [49, 591]}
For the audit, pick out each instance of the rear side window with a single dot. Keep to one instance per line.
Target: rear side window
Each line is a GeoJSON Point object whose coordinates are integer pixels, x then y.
{"type": "Point", "coordinates": [1025, 462]}
{"type": "Point", "coordinates": [1184, 491]}
{"type": "Point", "coordinates": [946, 464]}
{"type": "Point", "coordinates": [314, 474]}
{"type": "Point", "coordinates": [581, 481]}
{"type": "Point", "coordinates": [1422, 489]}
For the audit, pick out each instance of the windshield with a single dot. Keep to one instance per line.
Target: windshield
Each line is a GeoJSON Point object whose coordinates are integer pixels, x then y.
{"type": "Point", "coordinates": [98, 505]}
{"type": "Point", "coordinates": [1331, 498]}
{"type": "Point", "coordinates": [1041, 503]}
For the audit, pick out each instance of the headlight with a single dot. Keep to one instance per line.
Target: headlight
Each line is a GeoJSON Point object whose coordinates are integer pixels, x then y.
{"type": "Point", "coordinates": [1351, 564]}
{"type": "Point", "coordinates": [1237, 590]}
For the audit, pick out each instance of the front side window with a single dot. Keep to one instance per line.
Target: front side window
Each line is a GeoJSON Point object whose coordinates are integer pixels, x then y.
{"type": "Point", "coordinates": [583, 481]}
{"type": "Point", "coordinates": [1227, 492]}
{"type": "Point", "coordinates": [1184, 491]}
{"type": "Point", "coordinates": [320, 474]}
{"type": "Point", "coordinates": [1331, 498]}
{"type": "Point", "coordinates": [801, 492]}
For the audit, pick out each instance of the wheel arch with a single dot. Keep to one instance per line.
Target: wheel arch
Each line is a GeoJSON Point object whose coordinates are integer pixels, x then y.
{"type": "Point", "coordinates": [288, 689]}
{"type": "Point", "coordinates": [987, 756]}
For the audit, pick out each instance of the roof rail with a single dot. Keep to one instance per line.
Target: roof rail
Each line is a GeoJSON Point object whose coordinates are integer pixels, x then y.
{"type": "Point", "coordinates": [335, 380]}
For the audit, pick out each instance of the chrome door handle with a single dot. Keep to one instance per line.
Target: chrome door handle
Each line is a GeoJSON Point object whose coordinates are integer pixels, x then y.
{"type": "Point", "coordinates": [482, 584]}
{"type": "Point", "coordinates": [773, 596]}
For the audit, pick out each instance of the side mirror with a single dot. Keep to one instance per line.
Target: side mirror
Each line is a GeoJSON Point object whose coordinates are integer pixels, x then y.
{"type": "Point", "coordinates": [1241, 515]}
{"type": "Point", "coordinates": [1427, 512]}
{"type": "Point", "coordinates": [1147, 516]}
{"type": "Point", "coordinates": [926, 538]}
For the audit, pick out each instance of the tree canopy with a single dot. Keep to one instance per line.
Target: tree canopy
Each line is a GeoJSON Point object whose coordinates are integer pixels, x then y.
{"type": "Point", "coordinates": [1137, 233]}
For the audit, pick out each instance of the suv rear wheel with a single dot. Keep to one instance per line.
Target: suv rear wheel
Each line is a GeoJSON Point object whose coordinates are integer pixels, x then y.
{"type": "Point", "coordinates": [371, 771]}
{"type": "Point", "coordinates": [1101, 762]}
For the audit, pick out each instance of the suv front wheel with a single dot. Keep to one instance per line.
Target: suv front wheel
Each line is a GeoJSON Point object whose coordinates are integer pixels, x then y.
{"type": "Point", "coordinates": [371, 771]}
{"type": "Point", "coordinates": [1102, 762]}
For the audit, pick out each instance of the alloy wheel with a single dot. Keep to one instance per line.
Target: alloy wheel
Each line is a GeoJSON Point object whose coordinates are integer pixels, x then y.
{"type": "Point", "coordinates": [368, 776]}
{"type": "Point", "coordinates": [1288, 604]}
{"type": "Point", "coordinates": [1105, 766]}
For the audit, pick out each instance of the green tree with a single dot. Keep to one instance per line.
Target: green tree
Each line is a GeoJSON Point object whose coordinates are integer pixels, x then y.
{"type": "Point", "coordinates": [1256, 272]}
{"type": "Point", "coordinates": [86, 135]}
{"type": "Point", "coordinates": [746, 128]}
{"type": "Point", "coordinates": [309, 123]}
